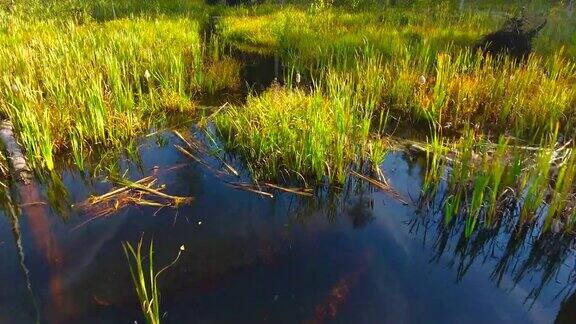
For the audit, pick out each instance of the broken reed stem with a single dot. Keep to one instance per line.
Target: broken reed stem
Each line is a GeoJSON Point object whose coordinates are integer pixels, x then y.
{"type": "Point", "coordinates": [139, 192]}
{"type": "Point", "coordinates": [176, 199]}
{"type": "Point", "coordinates": [382, 186]}
{"type": "Point", "coordinates": [98, 199]}
{"type": "Point", "coordinates": [190, 155]}
{"type": "Point", "coordinates": [424, 147]}
{"type": "Point", "coordinates": [247, 187]}
{"type": "Point", "coordinates": [296, 191]}
{"type": "Point", "coordinates": [203, 151]}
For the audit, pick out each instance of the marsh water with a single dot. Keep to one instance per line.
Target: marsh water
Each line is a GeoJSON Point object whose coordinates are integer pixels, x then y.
{"type": "Point", "coordinates": [352, 254]}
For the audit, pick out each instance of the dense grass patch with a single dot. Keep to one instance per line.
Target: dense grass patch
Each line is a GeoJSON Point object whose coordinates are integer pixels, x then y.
{"type": "Point", "coordinates": [310, 34]}
{"type": "Point", "coordinates": [103, 10]}
{"type": "Point", "coordinates": [67, 85]}
{"type": "Point", "coordinates": [502, 96]}
{"type": "Point", "coordinates": [321, 35]}
{"type": "Point", "coordinates": [310, 134]}
{"type": "Point", "coordinates": [427, 64]}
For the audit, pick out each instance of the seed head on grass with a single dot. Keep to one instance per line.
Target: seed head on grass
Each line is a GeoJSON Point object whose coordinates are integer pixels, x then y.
{"type": "Point", "coordinates": [146, 280]}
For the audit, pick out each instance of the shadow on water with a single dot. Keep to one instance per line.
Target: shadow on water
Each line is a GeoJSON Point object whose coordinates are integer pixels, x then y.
{"type": "Point", "coordinates": [258, 70]}
{"type": "Point", "coordinates": [567, 312]}
{"type": "Point", "coordinates": [348, 254]}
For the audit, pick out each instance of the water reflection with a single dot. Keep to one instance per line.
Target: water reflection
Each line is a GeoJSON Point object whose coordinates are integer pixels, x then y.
{"type": "Point", "coordinates": [324, 250]}
{"type": "Point", "coordinates": [517, 252]}
{"type": "Point", "coordinates": [57, 195]}
{"type": "Point", "coordinates": [521, 253]}
{"type": "Point", "coordinates": [36, 212]}
{"type": "Point", "coordinates": [12, 212]}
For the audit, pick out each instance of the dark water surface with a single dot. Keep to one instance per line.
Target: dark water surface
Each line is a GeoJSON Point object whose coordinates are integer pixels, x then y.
{"type": "Point", "coordinates": [357, 256]}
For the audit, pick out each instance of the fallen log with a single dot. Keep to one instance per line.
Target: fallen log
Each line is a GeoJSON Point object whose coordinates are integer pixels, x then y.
{"type": "Point", "coordinates": [16, 159]}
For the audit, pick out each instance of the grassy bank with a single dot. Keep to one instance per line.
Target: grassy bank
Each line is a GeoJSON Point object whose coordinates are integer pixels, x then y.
{"type": "Point", "coordinates": [316, 34]}
{"type": "Point", "coordinates": [428, 68]}
{"type": "Point", "coordinates": [391, 67]}
{"type": "Point", "coordinates": [70, 84]}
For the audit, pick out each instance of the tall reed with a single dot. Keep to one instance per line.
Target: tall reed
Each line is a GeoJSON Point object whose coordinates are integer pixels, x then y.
{"type": "Point", "coordinates": [317, 133]}
{"type": "Point", "coordinates": [69, 85]}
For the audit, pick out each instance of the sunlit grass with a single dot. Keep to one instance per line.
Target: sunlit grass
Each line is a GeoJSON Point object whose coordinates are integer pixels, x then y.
{"type": "Point", "coordinates": [311, 134]}
{"type": "Point", "coordinates": [490, 181]}
{"type": "Point", "coordinates": [67, 86]}
{"type": "Point", "coordinates": [310, 34]}
{"type": "Point", "coordinates": [428, 68]}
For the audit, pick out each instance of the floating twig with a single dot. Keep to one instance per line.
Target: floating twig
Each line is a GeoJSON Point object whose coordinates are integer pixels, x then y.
{"type": "Point", "coordinates": [296, 191]}
{"type": "Point", "coordinates": [141, 193]}
{"type": "Point", "coordinates": [381, 185]}
{"type": "Point", "coordinates": [200, 149]}
{"type": "Point", "coordinates": [249, 187]}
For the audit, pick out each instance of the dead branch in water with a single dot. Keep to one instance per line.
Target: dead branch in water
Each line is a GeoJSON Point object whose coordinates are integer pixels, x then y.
{"type": "Point", "coordinates": [130, 193]}
{"type": "Point", "coordinates": [296, 191]}
{"type": "Point", "coordinates": [15, 157]}
{"type": "Point", "coordinates": [200, 149]}
{"type": "Point", "coordinates": [249, 187]}
{"type": "Point", "coordinates": [382, 186]}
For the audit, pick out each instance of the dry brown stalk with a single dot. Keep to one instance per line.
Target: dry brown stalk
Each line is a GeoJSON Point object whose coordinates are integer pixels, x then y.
{"type": "Point", "coordinates": [141, 193]}
{"type": "Point", "coordinates": [249, 187]}
{"type": "Point", "coordinates": [296, 191]}
{"type": "Point", "coordinates": [382, 186]}
{"type": "Point", "coordinates": [195, 146]}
